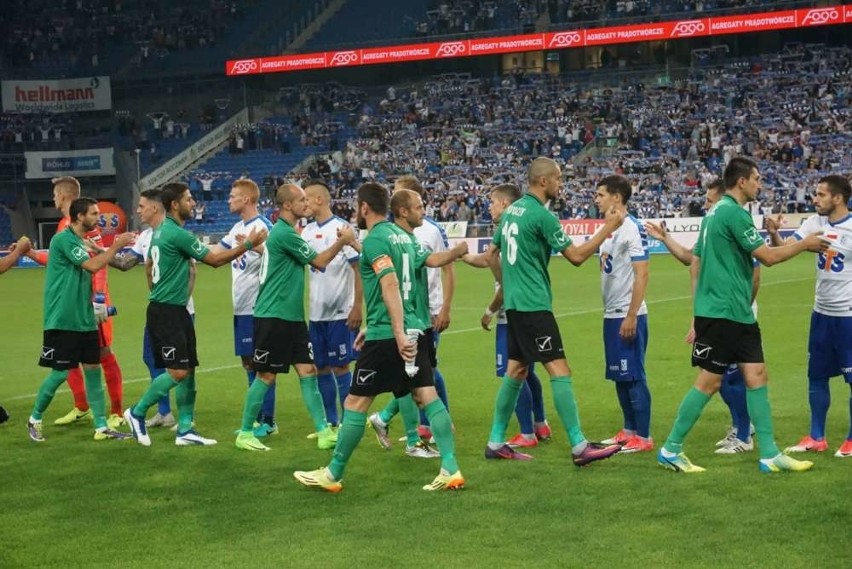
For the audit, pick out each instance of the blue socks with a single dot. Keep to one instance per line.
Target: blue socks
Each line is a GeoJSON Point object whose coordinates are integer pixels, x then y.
{"type": "Point", "coordinates": [819, 397]}
{"type": "Point", "coordinates": [328, 390]}
{"type": "Point", "coordinates": [344, 380]}
{"type": "Point", "coordinates": [640, 400]}
{"type": "Point", "coordinates": [523, 409]}
{"type": "Point", "coordinates": [534, 384]}
{"type": "Point", "coordinates": [733, 392]}
{"type": "Point", "coordinates": [622, 390]}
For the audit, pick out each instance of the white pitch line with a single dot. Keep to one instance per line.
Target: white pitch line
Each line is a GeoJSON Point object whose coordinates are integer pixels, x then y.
{"type": "Point", "coordinates": [600, 309]}
{"type": "Point", "coordinates": [462, 331]}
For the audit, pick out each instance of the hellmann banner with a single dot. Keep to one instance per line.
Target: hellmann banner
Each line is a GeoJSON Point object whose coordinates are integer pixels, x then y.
{"type": "Point", "coordinates": [91, 162]}
{"type": "Point", "coordinates": [57, 96]}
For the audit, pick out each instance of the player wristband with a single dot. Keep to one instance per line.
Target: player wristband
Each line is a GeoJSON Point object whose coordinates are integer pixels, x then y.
{"type": "Point", "coordinates": [248, 245]}
{"type": "Point", "coordinates": [489, 313]}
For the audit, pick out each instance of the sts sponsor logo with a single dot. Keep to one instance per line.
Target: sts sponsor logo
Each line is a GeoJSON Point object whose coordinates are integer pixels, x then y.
{"type": "Point", "coordinates": [451, 49]}
{"type": "Point", "coordinates": [341, 58]}
{"type": "Point", "coordinates": [244, 66]}
{"type": "Point", "coordinates": [565, 39]}
{"type": "Point", "coordinates": [820, 16]}
{"type": "Point", "coordinates": [688, 28]}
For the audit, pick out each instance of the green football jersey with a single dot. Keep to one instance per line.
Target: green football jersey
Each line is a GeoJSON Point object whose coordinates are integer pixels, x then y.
{"type": "Point", "coordinates": [68, 286]}
{"type": "Point", "coordinates": [527, 234]}
{"type": "Point", "coordinates": [421, 279]}
{"type": "Point", "coordinates": [282, 274]}
{"type": "Point", "coordinates": [387, 249]}
{"type": "Point", "coordinates": [172, 247]}
{"type": "Point", "coordinates": [726, 240]}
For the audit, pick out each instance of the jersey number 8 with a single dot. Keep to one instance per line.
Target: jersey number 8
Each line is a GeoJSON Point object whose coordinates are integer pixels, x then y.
{"type": "Point", "coordinates": [155, 264]}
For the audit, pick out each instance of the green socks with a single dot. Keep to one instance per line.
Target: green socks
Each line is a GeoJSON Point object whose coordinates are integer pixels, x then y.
{"type": "Point", "coordinates": [313, 401]}
{"type": "Point", "coordinates": [47, 390]}
{"type": "Point", "coordinates": [761, 415]}
{"type": "Point", "coordinates": [95, 395]}
{"type": "Point", "coordinates": [254, 401]}
{"type": "Point", "coordinates": [185, 399]}
{"type": "Point", "coordinates": [348, 436]}
{"type": "Point", "coordinates": [442, 430]}
{"type": "Point", "coordinates": [159, 388]}
{"type": "Point", "coordinates": [566, 408]}
{"type": "Point", "coordinates": [389, 412]}
{"type": "Point", "coordinates": [410, 418]}
{"type": "Point", "coordinates": [687, 414]}
{"type": "Point", "coordinates": [507, 398]}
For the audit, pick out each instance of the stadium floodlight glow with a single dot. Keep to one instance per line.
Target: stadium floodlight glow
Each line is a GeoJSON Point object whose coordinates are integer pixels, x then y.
{"type": "Point", "coordinates": [688, 28]}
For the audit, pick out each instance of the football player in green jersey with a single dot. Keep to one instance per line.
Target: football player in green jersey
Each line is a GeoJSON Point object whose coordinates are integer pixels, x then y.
{"type": "Point", "coordinates": [527, 235]}
{"type": "Point", "coordinates": [280, 334]}
{"type": "Point", "coordinates": [395, 354]}
{"type": "Point", "coordinates": [70, 327]}
{"type": "Point", "coordinates": [726, 331]}
{"type": "Point", "coordinates": [169, 323]}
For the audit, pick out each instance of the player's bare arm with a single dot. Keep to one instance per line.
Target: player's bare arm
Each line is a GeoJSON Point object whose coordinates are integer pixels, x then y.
{"type": "Point", "coordinates": [345, 236]}
{"type": "Point", "coordinates": [221, 256]}
{"type": "Point", "coordinates": [493, 307]}
{"type": "Point", "coordinates": [577, 254]}
{"type": "Point", "coordinates": [100, 261]}
{"type": "Point", "coordinates": [773, 255]}
{"type": "Point", "coordinates": [356, 315]}
{"type": "Point", "coordinates": [21, 247]}
{"type": "Point", "coordinates": [661, 234]}
{"type": "Point", "coordinates": [446, 257]}
{"type": "Point", "coordinates": [641, 275]}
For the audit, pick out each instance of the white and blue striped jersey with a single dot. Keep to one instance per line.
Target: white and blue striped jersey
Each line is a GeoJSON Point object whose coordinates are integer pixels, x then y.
{"type": "Point", "coordinates": [332, 290]}
{"type": "Point", "coordinates": [627, 245]}
{"type": "Point", "coordinates": [833, 278]}
{"type": "Point", "coordinates": [140, 248]}
{"type": "Point", "coordinates": [245, 269]}
{"type": "Point", "coordinates": [434, 239]}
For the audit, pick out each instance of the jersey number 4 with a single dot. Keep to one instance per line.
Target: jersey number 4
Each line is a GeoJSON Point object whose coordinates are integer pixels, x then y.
{"type": "Point", "coordinates": [831, 261]}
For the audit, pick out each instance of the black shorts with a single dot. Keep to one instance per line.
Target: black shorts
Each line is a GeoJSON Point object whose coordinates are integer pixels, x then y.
{"type": "Point", "coordinates": [172, 335]}
{"type": "Point", "coordinates": [380, 369]}
{"type": "Point", "coordinates": [533, 337]}
{"type": "Point", "coordinates": [720, 342]}
{"type": "Point", "coordinates": [64, 349]}
{"type": "Point", "coordinates": [432, 339]}
{"type": "Point", "coordinates": [278, 344]}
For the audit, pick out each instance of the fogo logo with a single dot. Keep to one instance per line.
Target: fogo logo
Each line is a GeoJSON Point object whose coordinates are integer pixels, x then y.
{"type": "Point", "coordinates": [243, 66]}
{"type": "Point", "coordinates": [688, 28]}
{"type": "Point", "coordinates": [451, 49]}
{"type": "Point", "coordinates": [341, 58]}
{"type": "Point", "coordinates": [565, 39]}
{"type": "Point", "coordinates": [819, 16]}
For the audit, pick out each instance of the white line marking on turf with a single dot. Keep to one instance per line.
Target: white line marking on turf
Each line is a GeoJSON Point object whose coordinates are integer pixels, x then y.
{"type": "Point", "coordinates": [462, 331]}
{"type": "Point", "coordinates": [126, 381]}
{"type": "Point", "coordinates": [600, 309]}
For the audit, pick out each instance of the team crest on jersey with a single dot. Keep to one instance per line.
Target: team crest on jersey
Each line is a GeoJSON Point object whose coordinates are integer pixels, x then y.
{"type": "Point", "coordinates": [198, 247]}
{"type": "Point", "coordinates": [752, 235]}
{"type": "Point", "coordinates": [79, 253]}
{"type": "Point", "coordinates": [559, 235]}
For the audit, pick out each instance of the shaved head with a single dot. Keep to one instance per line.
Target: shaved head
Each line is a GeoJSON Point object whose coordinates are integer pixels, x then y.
{"type": "Point", "coordinates": [402, 199]}
{"type": "Point", "coordinates": [541, 167]}
{"type": "Point", "coordinates": [318, 191]}
{"type": "Point", "coordinates": [68, 185]}
{"type": "Point", "coordinates": [286, 193]}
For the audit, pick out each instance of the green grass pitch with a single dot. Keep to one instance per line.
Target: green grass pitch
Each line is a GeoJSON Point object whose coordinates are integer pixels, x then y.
{"type": "Point", "coordinates": [72, 502]}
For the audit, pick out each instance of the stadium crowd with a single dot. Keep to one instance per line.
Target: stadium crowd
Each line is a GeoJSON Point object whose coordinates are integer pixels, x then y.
{"type": "Point", "coordinates": [461, 135]}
